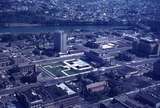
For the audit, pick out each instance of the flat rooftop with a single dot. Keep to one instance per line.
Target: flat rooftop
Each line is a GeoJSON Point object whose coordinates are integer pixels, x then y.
{"type": "Point", "coordinates": [67, 67]}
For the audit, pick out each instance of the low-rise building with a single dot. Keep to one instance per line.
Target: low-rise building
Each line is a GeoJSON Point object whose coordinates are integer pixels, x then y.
{"type": "Point", "coordinates": [30, 99]}
{"type": "Point", "coordinates": [62, 96]}
{"type": "Point", "coordinates": [95, 58]}
{"type": "Point", "coordinates": [55, 96]}
{"type": "Point", "coordinates": [5, 60]}
{"type": "Point", "coordinates": [149, 99]}
{"type": "Point", "coordinates": [156, 68]}
{"type": "Point", "coordinates": [128, 102]}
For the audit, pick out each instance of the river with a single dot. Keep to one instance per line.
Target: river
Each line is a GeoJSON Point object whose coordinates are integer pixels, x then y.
{"type": "Point", "coordinates": [38, 29]}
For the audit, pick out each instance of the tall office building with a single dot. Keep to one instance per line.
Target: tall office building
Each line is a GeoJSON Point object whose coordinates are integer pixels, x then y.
{"type": "Point", "coordinates": [60, 41]}
{"type": "Point", "coordinates": [156, 67]}
{"type": "Point", "coordinates": [146, 47]}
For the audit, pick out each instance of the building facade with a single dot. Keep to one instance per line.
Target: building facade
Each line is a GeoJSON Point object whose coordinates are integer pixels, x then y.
{"type": "Point", "coordinates": [60, 42]}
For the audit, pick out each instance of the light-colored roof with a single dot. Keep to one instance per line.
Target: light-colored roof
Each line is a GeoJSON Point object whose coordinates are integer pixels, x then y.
{"type": "Point", "coordinates": [65, 87]}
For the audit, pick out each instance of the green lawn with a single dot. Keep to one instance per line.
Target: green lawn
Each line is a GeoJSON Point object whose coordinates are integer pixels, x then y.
{"type": "Point", "coordinates": [71, 72]}
{"type": "Point", "coordinates": [57, 68]}
{"type": "Point", "coordinates": [56, 71]}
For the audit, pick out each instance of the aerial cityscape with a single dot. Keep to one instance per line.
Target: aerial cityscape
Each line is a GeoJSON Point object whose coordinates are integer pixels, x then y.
{"type": "Point", "coordinates": [79, 53]}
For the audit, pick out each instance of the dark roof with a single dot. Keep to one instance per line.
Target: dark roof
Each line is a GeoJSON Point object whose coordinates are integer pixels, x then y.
{"type": "Point", "coordinates": [116, 105]}
{"type": "Point", "coordinates": [1, 105]}
{"type": "Point", "coordinates": [55, 92]}
{"type": "Point", "coordinates": [43, 93]}
{"type": "Point", "coordinates": [32, 95]}
{"type": "Point", "coordinates": [126, 70]}
{"type": "Point", "coordinates": [3, 57]}
{"type": "Point", "coordinates": [113, 105]}
{"type": "Point", "coordinates": [156, 92]}
{"type": "Point", "coordinates": [128, 102]}
{"type": "Point", "coordinates": [148, 98]}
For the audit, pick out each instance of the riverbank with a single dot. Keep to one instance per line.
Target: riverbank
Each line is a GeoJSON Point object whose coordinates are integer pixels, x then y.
{"type": "Point", "coordinates": [21, 25]}
{"type": "Point", "coordinates": [42, 29]}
